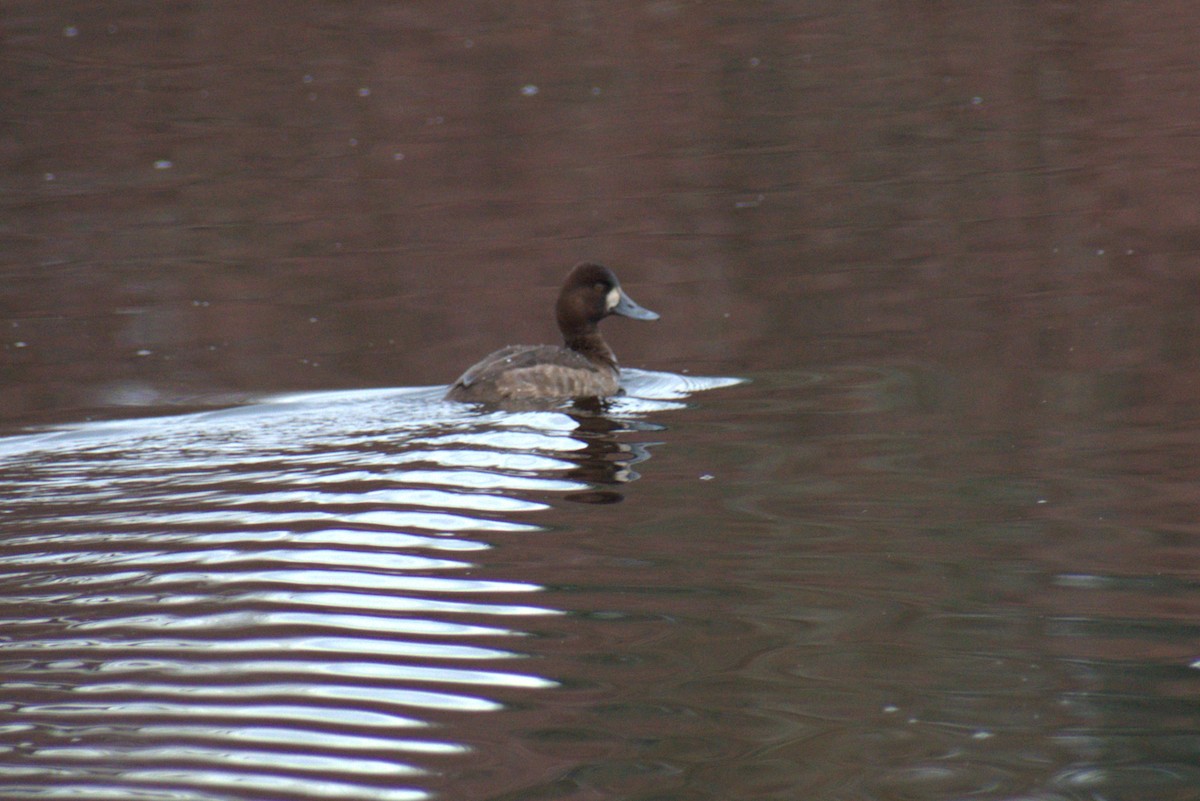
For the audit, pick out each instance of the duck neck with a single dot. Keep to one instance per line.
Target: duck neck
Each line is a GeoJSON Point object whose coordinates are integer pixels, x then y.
{"type": "Point", "coordinates": [589, 343]}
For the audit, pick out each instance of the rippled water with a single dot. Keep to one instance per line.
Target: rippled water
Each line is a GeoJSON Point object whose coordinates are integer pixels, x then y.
{"type": "Point", "coordinates": [942, 546]}
{"type": "Point", "coordinates": [290, 599]}
{"type": "Point", "coordinates": [841, 584]}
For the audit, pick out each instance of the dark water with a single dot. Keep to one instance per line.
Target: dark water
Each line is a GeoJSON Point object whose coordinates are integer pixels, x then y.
{"type": "Point", "coordinates": [941, 543]}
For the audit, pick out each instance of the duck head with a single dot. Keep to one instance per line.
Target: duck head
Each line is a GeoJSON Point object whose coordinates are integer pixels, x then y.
{"type": "Point", "coordinates": [591, 293]}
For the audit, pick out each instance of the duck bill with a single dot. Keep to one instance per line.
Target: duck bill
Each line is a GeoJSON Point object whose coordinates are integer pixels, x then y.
{"type": "Point", "coordinates": [627, 308]}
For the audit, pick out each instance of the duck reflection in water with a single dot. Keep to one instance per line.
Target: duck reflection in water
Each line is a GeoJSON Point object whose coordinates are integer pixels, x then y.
{"type": "Point", "coordinates": [605, 459]}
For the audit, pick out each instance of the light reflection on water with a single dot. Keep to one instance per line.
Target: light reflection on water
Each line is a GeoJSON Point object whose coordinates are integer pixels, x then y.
{"type": "Point", "coordinates": [279, 600]}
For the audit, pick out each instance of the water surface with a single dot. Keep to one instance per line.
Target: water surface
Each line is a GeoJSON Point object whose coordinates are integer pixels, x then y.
{"type": "Point", "coordinates": [941, 545]}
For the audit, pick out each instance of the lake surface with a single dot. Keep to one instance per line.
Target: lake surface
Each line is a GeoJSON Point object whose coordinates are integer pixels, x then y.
{"type": "Point", "coordinates": [901, 502]}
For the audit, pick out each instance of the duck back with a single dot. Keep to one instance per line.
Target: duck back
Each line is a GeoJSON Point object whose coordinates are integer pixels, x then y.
{"type": "Point", "coordinates": [528, 372]}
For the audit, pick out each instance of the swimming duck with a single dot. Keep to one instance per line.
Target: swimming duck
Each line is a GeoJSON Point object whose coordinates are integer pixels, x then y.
{"type": "Point", "coordinates": [584, 367]}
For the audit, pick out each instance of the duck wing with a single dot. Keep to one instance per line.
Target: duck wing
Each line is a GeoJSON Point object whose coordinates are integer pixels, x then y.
{"type": "Point", "coordinates": [533, 371]}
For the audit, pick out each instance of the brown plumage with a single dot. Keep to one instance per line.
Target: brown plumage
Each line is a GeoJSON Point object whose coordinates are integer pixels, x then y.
{"type": "Point", "coordinates": [584, 367]}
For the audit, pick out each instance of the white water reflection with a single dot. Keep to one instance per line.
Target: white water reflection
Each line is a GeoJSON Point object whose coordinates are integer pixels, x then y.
{"type": "Point", "coordinates": [262, 597]}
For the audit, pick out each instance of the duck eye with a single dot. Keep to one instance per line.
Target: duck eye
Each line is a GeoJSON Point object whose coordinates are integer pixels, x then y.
{"type": "Point", "coordinates": [600, 286]}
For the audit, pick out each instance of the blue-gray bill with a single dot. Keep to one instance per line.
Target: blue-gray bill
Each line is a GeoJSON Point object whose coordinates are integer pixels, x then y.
{"type": "Point", "coordinates": [627, 308]}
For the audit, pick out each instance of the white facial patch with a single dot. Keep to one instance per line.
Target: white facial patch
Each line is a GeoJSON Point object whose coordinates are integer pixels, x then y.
{"type": "Point", "coordinates": [612, 299]}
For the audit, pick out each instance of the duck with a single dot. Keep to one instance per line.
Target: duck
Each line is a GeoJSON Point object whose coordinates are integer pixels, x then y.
{"type": "Point", "coordinates": [584, 366]}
